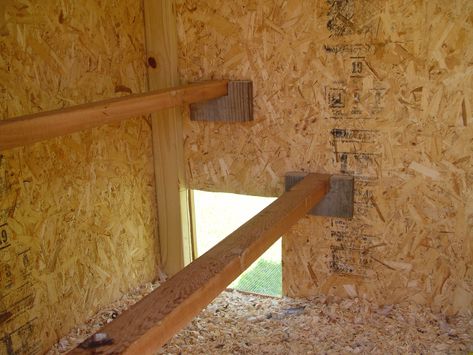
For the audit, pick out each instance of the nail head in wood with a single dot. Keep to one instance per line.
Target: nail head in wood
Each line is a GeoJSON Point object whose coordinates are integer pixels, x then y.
{"type": "Point", "coordinates": [237, 106]}
{"type": "Point", "coordinates": [339, 200]}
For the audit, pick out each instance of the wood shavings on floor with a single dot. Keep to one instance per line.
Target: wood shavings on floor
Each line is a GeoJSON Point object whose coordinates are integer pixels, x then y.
{"type": "Point", "coordinates": [239, 323]}
{"type": "Point", "coordinates": [105, 316]}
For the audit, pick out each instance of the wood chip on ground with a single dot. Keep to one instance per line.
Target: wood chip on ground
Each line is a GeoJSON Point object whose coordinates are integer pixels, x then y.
{"type": "Point", "coordinates": [240, 323]}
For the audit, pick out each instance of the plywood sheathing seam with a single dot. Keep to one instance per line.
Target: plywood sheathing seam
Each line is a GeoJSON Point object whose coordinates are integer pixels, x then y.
{"type": "Point", "coordinates": [77, 213]}
{"type": "Point", "coordinates": [380, 90]}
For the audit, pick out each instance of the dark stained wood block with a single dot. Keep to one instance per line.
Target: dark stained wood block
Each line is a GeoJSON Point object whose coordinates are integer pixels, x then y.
{"type": "Point", "coordinates": [338, 202]}
{"type": "Point", "coordinates": [237, 106]}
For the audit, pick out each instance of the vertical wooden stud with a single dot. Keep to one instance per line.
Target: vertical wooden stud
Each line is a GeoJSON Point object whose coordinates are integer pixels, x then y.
{"type": "Point", "coordinates": [175, 232]}
{"type": "Point", "coordinates": [193, 224]}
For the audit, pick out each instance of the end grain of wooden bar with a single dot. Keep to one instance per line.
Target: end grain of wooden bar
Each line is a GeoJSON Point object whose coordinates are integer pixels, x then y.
{"type": "Point", "coordinates": [147, 325]}
{"type": "Point", "coordinates": [33, 128]}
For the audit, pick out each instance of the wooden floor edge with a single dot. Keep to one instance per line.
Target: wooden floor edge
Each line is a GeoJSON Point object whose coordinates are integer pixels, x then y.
{"type": "Point", "coordinates": [23, 130]}
{"type": "Point", "coordinates": [150, 323]}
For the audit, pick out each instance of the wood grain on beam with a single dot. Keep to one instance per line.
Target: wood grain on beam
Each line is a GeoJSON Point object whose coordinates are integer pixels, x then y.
{"type": "Point", "coordinates": [147, 325]}
{"type": "Point", "coordinates": [33, 128]}
{"type": "Point", "coordinates": [174, 214]}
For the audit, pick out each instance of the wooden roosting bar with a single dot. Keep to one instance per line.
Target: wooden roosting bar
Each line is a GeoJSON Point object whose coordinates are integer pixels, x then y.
{"type": "Point", "coordinates": [147, 325]}
{"type": "Point", "coordinates": [36, 127]}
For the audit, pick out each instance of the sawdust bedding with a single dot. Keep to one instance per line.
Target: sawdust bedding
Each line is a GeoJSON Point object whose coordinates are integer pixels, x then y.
{"type": "Point", "coordinates": [104, 316]}
{"type": "Point", "coordinates": [239, 323]}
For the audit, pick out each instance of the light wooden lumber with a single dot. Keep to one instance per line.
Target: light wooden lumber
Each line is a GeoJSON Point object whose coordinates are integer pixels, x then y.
{"type": "Point", "coordinates": [29, 129]}
{"type": "Point", "coordinates": [172, 194]}
{"type": "Point", "coordinates": [147, 325]}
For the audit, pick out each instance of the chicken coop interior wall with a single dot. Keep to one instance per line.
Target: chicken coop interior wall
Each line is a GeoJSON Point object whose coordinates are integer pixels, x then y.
{"type": "Point", "coordinates": [77, 213]}
{"type": "Point", "coordinates": [381, 90]}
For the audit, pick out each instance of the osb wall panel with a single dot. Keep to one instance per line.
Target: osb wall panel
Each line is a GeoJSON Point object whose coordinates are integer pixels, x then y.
{"type": "Point", "coordinates": [77, 214]}
{"type": "Point", "coordinates": [381, 90]}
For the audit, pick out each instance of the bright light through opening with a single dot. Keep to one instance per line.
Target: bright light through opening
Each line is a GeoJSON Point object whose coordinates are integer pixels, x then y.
{"type": "Point", "coordinates": [219, 214]}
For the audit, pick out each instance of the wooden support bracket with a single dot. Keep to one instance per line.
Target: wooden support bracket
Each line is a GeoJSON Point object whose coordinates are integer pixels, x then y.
{"type": "Point", "coordinates": [147, 325]}
{"type": "Point", "coordinates": [237, 106]}
{"type": "Point", "coordinates": [339, 200]}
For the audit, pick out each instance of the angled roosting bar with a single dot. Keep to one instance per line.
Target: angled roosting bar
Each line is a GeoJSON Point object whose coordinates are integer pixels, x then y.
{"type": "Point", "coordinates": [154, 320]}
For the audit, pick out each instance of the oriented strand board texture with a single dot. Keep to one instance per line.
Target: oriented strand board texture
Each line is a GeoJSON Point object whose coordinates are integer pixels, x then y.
{"type": "Point", "coordinates": [382, 90]}
{"type": "Point", "coordinates": [77, 213]}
